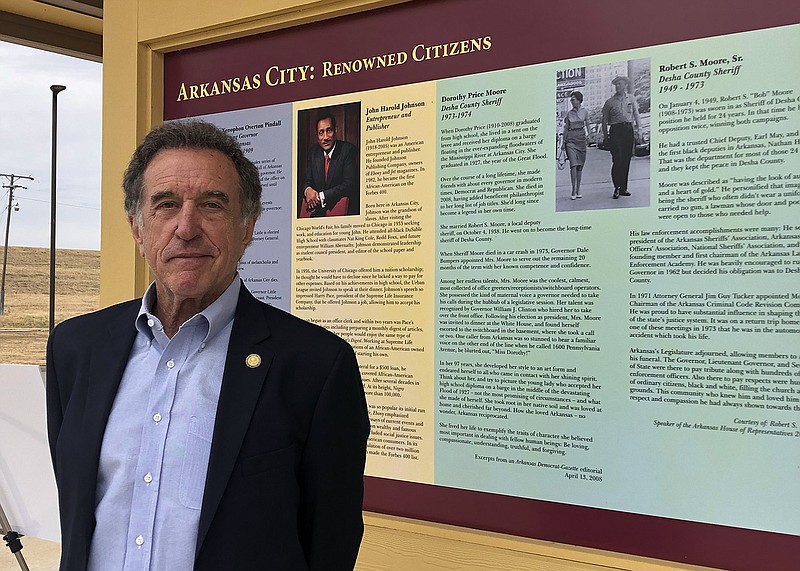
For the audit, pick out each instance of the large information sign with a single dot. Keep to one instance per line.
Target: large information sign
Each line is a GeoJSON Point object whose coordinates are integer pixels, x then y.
{"type": "Point", "coordinates": [606, 367]}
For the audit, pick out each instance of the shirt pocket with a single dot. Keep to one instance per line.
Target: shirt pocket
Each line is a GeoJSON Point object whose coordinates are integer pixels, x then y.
{"type": "Point", "coordinates": [195, 461]}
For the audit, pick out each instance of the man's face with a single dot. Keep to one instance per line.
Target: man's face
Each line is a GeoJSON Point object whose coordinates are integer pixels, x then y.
{"type": "Point", "coordinates": [326, 134]}
{"type": "Point", "coordinates": [191, 231]}
{"type": "Point", "coordinates": [620, 87]}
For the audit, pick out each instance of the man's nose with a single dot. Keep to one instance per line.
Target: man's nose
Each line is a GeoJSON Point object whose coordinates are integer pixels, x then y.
{"type": "Point", "coordinates": [188, 222]}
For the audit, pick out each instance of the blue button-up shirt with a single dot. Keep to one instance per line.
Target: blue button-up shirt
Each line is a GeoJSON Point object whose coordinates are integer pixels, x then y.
{"type": "Point", "coordinates": [156, 445]}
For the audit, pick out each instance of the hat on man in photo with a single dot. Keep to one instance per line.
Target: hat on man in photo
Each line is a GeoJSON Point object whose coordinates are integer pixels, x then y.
{"type": "Point", "coordinates": [620, 78]}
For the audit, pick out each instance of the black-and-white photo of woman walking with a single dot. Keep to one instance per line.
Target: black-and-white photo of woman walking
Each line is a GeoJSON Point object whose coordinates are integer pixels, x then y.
{"type": "Point", "coordinates": [576, 133]}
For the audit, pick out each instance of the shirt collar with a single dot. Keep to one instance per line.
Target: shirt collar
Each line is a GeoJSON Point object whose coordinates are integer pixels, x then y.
{"type": "Point", "coordinates": [330, 153]}
{"type": "Point", "coordinates": [217, 315]}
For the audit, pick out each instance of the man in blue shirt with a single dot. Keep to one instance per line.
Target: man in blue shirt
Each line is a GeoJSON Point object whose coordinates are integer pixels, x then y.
{"type": "Point", "coordinates": [194, 428]}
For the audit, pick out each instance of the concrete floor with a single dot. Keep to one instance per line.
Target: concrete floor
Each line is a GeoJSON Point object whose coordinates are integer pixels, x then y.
{"type": "Point", "coordinates": [40, 555]}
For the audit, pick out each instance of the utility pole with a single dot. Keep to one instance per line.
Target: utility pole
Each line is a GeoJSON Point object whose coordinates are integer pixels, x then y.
{"type": "Point", "coordinates": [11, 186]}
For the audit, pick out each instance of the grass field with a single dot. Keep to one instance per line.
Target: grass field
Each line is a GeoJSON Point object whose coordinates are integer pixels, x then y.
{"type": "Point", "coordinates": [24, 324]}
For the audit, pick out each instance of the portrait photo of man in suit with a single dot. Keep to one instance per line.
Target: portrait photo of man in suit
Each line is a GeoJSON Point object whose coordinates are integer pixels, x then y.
{"type": "Point", "coordinates": [329, 185]}
{"type": "Point", "coordinates": [198, 428]}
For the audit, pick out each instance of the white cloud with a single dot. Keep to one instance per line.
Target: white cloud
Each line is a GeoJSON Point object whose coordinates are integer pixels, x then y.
{"type": "Point", "coordinates": [25, 146]}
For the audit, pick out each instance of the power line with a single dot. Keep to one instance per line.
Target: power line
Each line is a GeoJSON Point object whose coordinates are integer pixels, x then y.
{"type": "Point", "coordinates": [60, 203]}
{"type": "Point", "coordinates": [25, 198]}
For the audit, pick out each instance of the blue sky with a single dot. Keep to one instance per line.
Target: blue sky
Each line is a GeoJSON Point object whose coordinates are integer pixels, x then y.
{"type": "Point", "coordinates": [25, 147]}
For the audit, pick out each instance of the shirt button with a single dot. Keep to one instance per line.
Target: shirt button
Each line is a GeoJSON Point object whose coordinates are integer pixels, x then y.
{"type": "Point", "coordinates": [157, 417]}
{"type": "Point", "coordinates": [170, 364]}
{"type": "Point", "coordinates": [140, 540]}
{"type": "Point", "coordinates": [150, 322]}
{"type": "Point", "coordinates": [148, 478]}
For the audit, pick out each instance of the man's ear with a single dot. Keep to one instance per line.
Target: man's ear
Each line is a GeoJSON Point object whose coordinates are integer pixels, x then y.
{"type": "Point", "coordinates": [248, 232]}
{"type": "Point", "coordinates": [136, 232]}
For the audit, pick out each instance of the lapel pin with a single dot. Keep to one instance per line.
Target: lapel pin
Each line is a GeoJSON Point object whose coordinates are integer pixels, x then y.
{"type": "Point", "coordinates": [253, 360]}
